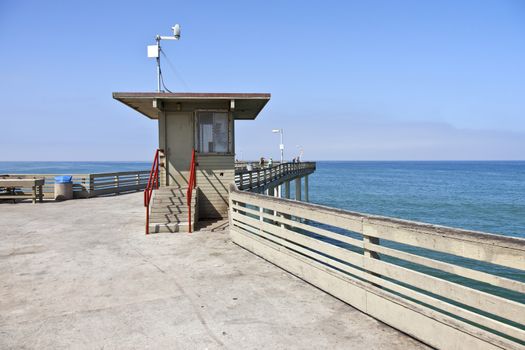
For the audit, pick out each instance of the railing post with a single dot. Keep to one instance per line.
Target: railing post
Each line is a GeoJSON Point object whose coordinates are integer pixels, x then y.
{"type": "Point", "coordinates": [117, 183]}
{"type": "Point", "coordinates": [367, 252]}
{"type": "Point", "coordinates": [83, 185]}
{"type": "Point", "coordinates": [241, 187]}
{"type": "Point", "coordinates": [258, 179]}
{"type": "Point", "coordinates": [91, 188]}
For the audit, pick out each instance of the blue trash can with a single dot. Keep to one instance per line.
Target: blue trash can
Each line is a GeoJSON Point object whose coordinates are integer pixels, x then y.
{"type": "Point", "coordinates": [63, 187]}
{"type": "Point", "coordinates": [63, 179]}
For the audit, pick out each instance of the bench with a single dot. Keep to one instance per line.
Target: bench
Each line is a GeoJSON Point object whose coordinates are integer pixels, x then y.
{"type": "Point", "coordinates": [13, 183]}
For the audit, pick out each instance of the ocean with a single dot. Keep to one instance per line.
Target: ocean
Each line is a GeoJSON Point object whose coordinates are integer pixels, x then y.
{"type": "Point", "coordinates": [487, 196]}
{"type": "Point", "coordinates": [68, 168]}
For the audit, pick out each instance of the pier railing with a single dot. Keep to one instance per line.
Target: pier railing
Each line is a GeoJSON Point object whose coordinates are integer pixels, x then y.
{"type": "Point", "coordinates": [258, 180]}
{"type": "Point", "coordinates": [450, 288]}
{"type": "Point", "coordinates": [97, 184]}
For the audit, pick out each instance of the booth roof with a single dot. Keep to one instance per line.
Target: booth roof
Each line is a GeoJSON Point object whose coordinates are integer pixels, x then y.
{"type": "Point", "coordinates": [246, 105]}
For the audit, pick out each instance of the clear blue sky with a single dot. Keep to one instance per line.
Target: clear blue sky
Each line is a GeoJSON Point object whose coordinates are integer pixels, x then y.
{"type": "Point", "coordinates": [349, 79]}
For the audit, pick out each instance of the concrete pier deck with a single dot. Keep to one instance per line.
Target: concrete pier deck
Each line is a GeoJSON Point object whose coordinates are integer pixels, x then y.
{"type": "Point", "coordinates": [81, 274]}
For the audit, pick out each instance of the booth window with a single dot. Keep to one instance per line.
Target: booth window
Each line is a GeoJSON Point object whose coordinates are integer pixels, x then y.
{"type": "Point", "coordinates": [212, 132]}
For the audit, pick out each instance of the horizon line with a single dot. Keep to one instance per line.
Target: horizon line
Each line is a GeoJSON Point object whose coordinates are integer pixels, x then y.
{"type": "Point", "coordinates": [312, 160]}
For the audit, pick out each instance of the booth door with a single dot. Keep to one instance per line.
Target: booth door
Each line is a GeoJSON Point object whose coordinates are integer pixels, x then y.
{"type": "Point", "coordinates": [179, 142]}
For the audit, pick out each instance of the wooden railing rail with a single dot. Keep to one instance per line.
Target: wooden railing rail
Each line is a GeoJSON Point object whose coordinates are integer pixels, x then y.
{"type": "Point", "coordinates": [258, 180]}
{"type": "Point", "coordinates": [91, 185]}
{"type": "Point", "coordinates": [450, 288]}
{"type": "Point", "coordinates": [117, 182]}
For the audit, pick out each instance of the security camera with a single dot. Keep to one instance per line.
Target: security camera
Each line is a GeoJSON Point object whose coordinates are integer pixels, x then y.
{"type": "Point", "coordinates": [176, 31]}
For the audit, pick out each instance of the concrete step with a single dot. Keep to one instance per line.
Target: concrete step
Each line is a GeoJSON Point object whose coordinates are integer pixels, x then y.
{"type": "Point", "coordinates": [172, 190]}
{"type": "Point", "coordinates": [167, 222]}
{"type": "Point", "coordinates": [167, 204]}
{"type": "Point", "coordinates": [171, 201]}
{"type": "Point", "coordinates": [168, 210]}
{"type": "Point", "coordinates": [170, 204]}
{"type": "Point", "coordinates": [171, 211]}
{"type": "Point", "coordinates": [169, 227]}
{"type": "Point", "coordinates": [169, 195]}
{"type": "Point", "coordinates": [168, 216]}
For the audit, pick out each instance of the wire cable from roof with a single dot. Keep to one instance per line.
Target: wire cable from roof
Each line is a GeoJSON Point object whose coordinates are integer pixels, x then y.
{"type": "Point", "coordinates": [162, 81]}
{"type": "Point", "coordinates": [175, 71]}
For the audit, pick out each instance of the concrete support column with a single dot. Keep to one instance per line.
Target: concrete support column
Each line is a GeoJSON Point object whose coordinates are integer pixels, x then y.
{"type": "Point", "coordinates": [306, 199]}
{"type": "Point", "coordinates": [298, 189]}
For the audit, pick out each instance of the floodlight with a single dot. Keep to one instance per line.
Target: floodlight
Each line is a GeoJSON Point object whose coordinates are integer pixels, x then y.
{"type": "Point", "coordinates": [176, 31]}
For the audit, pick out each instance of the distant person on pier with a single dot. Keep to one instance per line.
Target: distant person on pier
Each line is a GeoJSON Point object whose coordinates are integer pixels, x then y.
{"type": "Point", "coordinates": [261, 162]}
{"type": "Point", "coordinates": [270, 162]}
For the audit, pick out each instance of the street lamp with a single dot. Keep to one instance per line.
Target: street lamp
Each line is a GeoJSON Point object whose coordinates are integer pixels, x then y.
{"type": "Point", "coordinates": [281, 145]}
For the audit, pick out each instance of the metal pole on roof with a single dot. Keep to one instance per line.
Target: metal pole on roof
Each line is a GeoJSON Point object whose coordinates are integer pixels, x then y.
{"type": "Point", "coordinates": [154, 51]}
{"type": "Point", "coordinates": [158, 62]}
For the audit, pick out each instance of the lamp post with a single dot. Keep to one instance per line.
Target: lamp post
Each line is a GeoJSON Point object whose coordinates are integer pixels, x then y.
{"type": "Point", "coordinates": [281, 145]}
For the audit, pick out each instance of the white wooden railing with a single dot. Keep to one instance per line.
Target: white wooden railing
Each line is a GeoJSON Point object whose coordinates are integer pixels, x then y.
{"type": "Point", "coordinates": [258, 180]}
{"type": "Point", "coordinates": [91, 185]}
{"type": "Point", "coordinates": [450, 288]}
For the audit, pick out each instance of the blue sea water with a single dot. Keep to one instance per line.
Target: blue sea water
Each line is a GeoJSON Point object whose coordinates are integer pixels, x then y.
{"type": "Point", "coordinates": [487, 196]}
{"type": "Point", "coordinates": [68, 168]}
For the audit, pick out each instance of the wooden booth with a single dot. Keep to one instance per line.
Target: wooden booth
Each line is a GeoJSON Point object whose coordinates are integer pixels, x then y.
{"type": "Point", "coordinates": [204, 122]}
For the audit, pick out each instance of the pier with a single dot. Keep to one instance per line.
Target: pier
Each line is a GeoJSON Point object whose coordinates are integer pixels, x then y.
{"type": "Point", "coordinates": [82, 274]}
{"type": "Point", "coordinates": [214, 254]}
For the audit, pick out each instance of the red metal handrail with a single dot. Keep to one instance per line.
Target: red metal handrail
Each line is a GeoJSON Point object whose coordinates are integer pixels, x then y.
{"type": "Point", "coordinates": [192, 183]}
{"type": "Point", "coordinates": [153, 183]}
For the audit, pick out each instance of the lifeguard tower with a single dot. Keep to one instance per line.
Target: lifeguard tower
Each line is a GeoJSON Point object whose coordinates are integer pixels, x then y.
{"type": "Point", "coordinates": [195, 161]}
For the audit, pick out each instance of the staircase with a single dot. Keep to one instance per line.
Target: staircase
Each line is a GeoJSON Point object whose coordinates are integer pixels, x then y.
{"type": "Point", "coordinates": [169, 210]}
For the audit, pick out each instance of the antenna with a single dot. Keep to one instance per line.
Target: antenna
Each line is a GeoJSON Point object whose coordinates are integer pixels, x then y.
{"type": "Point", "coordinates": [154, 50]}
